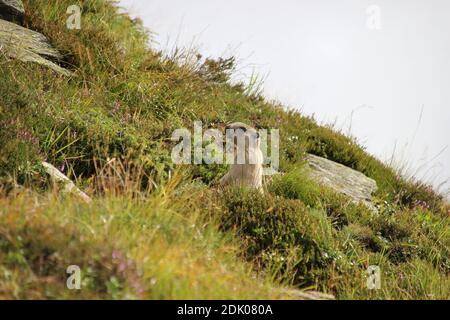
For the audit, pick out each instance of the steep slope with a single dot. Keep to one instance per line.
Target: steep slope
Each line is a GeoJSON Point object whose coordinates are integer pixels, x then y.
{"type": "Point", "coordinates": [108, 127]}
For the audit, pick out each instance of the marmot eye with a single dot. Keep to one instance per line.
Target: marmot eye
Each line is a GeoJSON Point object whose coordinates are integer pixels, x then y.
{"type": "Point", "coordinates": [255, 134]}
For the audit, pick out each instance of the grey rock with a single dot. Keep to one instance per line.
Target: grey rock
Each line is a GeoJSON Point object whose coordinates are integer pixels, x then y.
{"type": "Point", "coordinates": [29, 46]}
{"type": "Point", "coordinates": [342, 179]}
{"type": "Point", "coordinates": [12, 10]}
{"type": "Point", "coordinates": [69, 186]}
{"type": "Point", "coordinates": [307, 295]}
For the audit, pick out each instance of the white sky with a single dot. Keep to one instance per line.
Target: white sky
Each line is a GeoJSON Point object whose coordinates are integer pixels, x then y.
{"type": "Point", "coordinates": [389, 87]}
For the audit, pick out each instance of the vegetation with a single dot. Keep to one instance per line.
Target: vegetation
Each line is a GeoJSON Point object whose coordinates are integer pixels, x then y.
{"type": "Point", "coordinates": [155, 230]}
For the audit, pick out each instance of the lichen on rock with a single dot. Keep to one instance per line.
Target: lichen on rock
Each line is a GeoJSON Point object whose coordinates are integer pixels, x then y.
{"type": "Point", "coordinates": [27, 45]}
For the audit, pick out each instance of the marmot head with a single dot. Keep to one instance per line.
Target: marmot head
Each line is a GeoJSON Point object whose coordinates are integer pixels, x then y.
{"type": "Point", "coordinates": [240, 127]}
{"type": "Point", "coordinates": [245, 142]}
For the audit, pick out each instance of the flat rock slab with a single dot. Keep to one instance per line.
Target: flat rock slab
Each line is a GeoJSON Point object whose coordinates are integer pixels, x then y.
{"type": "Point", "coordinates": [307, 295]}
{"type": "Point", "coordinates": [12, 10]}
{"type": "Point", "coordinates": [27, 45]}
{"type": "Point", "coordinates": [342, 179]}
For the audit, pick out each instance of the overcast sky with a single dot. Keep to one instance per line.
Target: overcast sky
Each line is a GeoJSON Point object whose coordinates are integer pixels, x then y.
{"type": "Point", "coordinates": [378, 69]}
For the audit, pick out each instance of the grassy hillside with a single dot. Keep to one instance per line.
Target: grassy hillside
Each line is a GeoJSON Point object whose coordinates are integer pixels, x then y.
{"type": "Point", "coordinates": [155, 230]}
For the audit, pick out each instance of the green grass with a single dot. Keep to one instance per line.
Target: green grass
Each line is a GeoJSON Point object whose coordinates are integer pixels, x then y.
{"type": "Point", "coordinates": [305, 247]}
{"type": "Point", "coordinates": [162, 247]}
{"type": "Point", "coordinates": [150, 235]}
